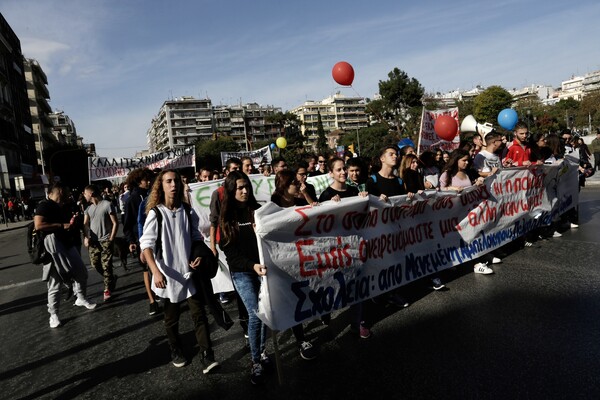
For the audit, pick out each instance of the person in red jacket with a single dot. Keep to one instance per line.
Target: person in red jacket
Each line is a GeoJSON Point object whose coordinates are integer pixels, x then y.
{"type": "Point", "coordinates": [518, 153]}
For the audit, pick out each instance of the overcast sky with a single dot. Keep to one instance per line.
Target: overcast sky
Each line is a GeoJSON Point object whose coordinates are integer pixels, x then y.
{"type": "Point", "coordinates": [112, 63]}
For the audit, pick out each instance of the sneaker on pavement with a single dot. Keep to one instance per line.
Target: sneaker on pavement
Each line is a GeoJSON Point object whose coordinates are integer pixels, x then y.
{"type": "Point", "coordinates": [83, 302]}
{"type": "Point", "coordinates": [106, 295]}
{"type": "Point", "coordinates": [573, 226]}
{"type": "Point", "coordinates": [177, 357]}
{"type": "Point", "coordinates": [257, 376]}
{"type": "Point", "coordinates": [556, 234]}
{"type": "Point", "coordinates": [153, 310]}
{"type": "Point", "coordinates": [54, 321]}
{"type": "Point", "coordinates": [364, 332]}
{"type": "Point", "coordinates": [496, 260]}
{"type": "Point", "coordinates": [223, 298]}
{"type": "Point", "coordinates": [398, 301]}
{"type": "Point", "coordinates": [482, 268]}
{"type": "Point", "coordinates": [266, 362]}
{"type": "Point", "coordinates": [307, 351]}
{"type": "Point", "coordinates": [437, 284]}
{"type": "Point", "coordinates": [208, 361]}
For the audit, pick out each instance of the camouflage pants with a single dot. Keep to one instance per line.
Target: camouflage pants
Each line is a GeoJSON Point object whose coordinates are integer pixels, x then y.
{"type": "Point", "coordinates": [101, 255]}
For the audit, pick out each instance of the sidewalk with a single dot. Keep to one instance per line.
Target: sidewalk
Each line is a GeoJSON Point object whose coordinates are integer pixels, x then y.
{"type": "Point", "coordinates": [14, 225]}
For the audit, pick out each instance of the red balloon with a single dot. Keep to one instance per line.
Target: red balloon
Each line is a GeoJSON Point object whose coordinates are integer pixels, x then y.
{"type": "Point", "coordinates": [343, 73]}
{"type": "Point", "coordinates": [446, 127]}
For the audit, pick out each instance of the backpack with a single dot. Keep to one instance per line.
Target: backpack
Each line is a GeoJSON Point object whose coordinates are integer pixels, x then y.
{"type": "Point", "coordinates": [35, 246]}
{"type": "Point", "coordinates": [374, 177]}
{"type": "Point", "coordinates": [208, 266]}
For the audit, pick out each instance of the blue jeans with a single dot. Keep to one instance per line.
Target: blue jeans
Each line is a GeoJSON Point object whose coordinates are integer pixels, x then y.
{"type": "Point", "coordinates": [247, 285]}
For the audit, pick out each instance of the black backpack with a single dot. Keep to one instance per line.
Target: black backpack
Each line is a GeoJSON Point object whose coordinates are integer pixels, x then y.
{"type": "Point", "coordinates": [35, 245]}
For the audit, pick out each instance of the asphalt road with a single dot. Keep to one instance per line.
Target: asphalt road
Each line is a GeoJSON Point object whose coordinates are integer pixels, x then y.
{"type": "Point", "coordinates": [530, 331]}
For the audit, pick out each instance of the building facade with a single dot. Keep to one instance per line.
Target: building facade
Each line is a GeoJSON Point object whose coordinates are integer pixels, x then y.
{"type": "Point", "coordinates": [338, 112]}
{"type": "Point", "coordinates": [18, 160]}
{"type": "Point", "coordinates": [183, 121]}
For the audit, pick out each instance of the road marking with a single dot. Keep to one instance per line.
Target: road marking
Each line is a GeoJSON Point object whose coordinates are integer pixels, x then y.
{"type": "Point", "coordinates": [13, 285]}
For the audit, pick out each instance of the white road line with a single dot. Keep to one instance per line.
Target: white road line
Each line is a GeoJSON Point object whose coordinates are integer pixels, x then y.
{"type": "Point", "coordinates": [13, 285]}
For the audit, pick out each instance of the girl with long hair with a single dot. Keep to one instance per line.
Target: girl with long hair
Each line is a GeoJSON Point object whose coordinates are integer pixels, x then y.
{"type": "Point", "coordinates": [455, 175]}
{"type": "Point", "coordinates": [410, 175]}
{"type": "Point", "coordinates": [238, 242]}
{"type": "Point", "coordinates": [167, 246]}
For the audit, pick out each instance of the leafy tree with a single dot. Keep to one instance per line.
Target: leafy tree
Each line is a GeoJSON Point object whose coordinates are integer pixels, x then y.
{"type": "Point", "coordinates": [321, 145]}
{"type": "Point", "coordinates": [465, 107]}
{"type": "Point", "coordinates": [589, 108]}
{"type": "Point", "coordinates": [371, 139]}
{"type": "Point", "coordinates": [400, 94]}
{"type": "Point", "coordinates": [208, 152]}
{"type": "Point", "coordinates": [490, 102]}
{"type": "Point", "coordinates": [378, 111]}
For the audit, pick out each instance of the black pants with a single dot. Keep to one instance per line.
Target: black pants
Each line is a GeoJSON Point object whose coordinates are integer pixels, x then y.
{"type": "Point", "coordinates": [172, 312]}
{"type": "Point", "coordinates": [597, 161]}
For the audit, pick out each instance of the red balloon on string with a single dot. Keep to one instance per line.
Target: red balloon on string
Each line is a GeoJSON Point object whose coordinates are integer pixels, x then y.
{"type": "Point", "coordinates": [343, 73]}
{"type": "Point", "coordinates": [446, 127]}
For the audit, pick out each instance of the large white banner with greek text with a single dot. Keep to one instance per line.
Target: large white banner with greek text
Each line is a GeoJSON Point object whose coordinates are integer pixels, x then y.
{"type": "Point", "coordinates": [119, 168]}
{"type": "Point", "coordinates": [328, 257]}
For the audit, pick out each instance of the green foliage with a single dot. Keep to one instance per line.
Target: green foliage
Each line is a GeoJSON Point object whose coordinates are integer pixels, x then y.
{"type": "Point", "coordinates": [589, 108]}
{"type": "Point", "coordinates": [208, 152]}
{"type": "Point", "coordinates": [371, 139]}
{"type": "Point", "coordinates": [400, 94]}
{"type": "Point", "coordinates": [321, 144]}
{"type": "Point", "coordinates": [489, 103]}
{"type": "Point", "coordinates": [465, 107]}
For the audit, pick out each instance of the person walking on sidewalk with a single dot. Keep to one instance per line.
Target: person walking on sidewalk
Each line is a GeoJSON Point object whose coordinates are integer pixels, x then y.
{"type": "Point", "coordinates": [100, 226]}
{"type": "Point", "coordinates": [54, 221]}
{"type": "Point", "coordinates": [175, 229]}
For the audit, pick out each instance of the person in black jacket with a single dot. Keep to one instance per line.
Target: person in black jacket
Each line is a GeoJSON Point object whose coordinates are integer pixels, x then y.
{"type": "Point", "coordinates": [138, 181]}
{"type": "Point", "coordinates": [238, 242]}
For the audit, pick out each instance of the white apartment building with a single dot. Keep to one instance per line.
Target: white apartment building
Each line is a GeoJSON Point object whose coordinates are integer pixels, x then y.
{"type": "Point", "coordinates": [183, 121]}
{"type": "Point", "coordinates": [179, 123]}
{"type": "Point", "coordinates": [338, 112]}
{"type": "Point", "coordinates": [38, 96]}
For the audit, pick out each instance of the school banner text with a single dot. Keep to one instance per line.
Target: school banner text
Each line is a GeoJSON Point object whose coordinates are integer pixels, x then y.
{"type": "Point", "coordinates": [325, 258]}
{"type": "Point", "coordinates": [119, 168]}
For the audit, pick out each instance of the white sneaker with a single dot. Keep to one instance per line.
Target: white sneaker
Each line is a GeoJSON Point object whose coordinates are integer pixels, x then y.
{"type": "Point", "coordinates": [85, 303]}
{"type": "Point", "coordinates": [496, 260]}
{"type": "Point", "coordinates": [482, 268]}
{"type": "Point", "coordinates": [54, 321]}
{"type": "Point", "coordinates": [556, 234]}
{"type": "Point", "coordinates": [573, 226]}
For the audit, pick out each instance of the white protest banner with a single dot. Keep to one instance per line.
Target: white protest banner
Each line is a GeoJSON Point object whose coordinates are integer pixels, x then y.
{"type": "Point", "coordinates": [260, 156]}
{"type": "Point", "coordinates": [328, 257]}
{"type": "Point", "coordinates": [428, 139]}
{"type": "Point", "coordinates": [119, 168]}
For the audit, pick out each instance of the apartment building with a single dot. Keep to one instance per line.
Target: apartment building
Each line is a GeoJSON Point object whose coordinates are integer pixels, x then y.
{"type": "Point", "coordinates": [183, 121]}
{"type": "Point", "coordinates": [338, 112]}
{"type": "Point", "coordinates": [17, 143]}
{"type": "Point", "coordinates": [41, 123]}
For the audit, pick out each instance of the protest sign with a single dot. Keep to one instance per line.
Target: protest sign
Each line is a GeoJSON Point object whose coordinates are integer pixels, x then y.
{"type": "Point", "coordinates": [325, 258]}
{"type": "Point", "coordinates": [119, 168]}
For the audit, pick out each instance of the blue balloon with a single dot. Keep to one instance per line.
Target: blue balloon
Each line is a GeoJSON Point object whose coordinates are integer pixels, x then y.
{"type": "Point", "coordinates": [508, 119]}
{"type": "Point", "coordinates": [272, 145]}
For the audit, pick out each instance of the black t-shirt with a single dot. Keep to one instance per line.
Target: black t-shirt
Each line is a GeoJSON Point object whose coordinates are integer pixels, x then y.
{"type": "Point", "coordinates": [54, 213]}
{"type": "Point", "coordinates": [389, 187]}
{"type": "Point", "coordinates": [330, 193]}
{"type": "Point", "coordinates": [413, 181]}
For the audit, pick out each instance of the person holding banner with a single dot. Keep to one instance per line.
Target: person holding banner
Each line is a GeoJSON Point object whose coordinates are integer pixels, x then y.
{"type": "Point", "coordinates": [338, 190]}
{"type": "Point", "coordinates": [286, 189]}
{"type": "Point", "coordinates": [454, 175]}
{"type": "Point", "coordinates": [238, 242]}
{"type": "Point", "coordinates": [385, 183]}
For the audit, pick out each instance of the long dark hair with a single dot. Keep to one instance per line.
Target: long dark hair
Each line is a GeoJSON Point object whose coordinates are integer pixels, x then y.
{"type": "Point", "coordinates": [228, 222]}
{"type": "Point", "coordinates": [283, 180]}
{"type": "Point", "coordinates": [451, 167]}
